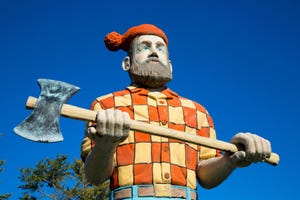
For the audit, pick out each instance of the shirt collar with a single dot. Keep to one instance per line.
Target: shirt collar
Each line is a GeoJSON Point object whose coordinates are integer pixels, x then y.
{"type": "Point", "coordinates": [167, 93]}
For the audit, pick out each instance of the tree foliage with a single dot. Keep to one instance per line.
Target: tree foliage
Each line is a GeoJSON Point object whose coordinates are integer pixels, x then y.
{"type": "Point", "coordinates": [3, 196]}
{"type": "Point", "coordinates": [57, 179]}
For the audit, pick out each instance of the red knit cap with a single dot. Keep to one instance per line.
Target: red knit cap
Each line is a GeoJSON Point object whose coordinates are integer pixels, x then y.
{"type": "Point", "coordinates": [115, 41]}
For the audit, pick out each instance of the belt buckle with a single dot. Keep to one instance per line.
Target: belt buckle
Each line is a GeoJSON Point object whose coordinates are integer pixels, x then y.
{"type": "Point", "coordinates": [162, 190]}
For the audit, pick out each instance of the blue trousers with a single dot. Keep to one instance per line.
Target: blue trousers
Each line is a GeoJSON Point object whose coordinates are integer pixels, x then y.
{"type": "Point", "coordinates": [135, 196]}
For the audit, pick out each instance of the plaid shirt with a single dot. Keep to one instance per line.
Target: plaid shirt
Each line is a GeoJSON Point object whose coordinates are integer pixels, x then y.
{"type": "Point", "coordinates": [147, 159]}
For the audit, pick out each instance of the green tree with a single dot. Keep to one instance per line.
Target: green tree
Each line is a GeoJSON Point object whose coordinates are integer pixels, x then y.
{"type": "Point", "coordinates": [3, 196]}
{"type": "Point", "coordinates": [57, 179]}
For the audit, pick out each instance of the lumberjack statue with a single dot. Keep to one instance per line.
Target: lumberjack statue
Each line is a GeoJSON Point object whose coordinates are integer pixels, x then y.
{"type": "Point", "coordinates": [140, 165]}
{"type": "Point", "coordinates": [165, 164]}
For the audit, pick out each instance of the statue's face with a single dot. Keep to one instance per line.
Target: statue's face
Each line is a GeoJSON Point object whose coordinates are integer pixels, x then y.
{"type": "Point", "coordinates": [148, 44]}
{"type": "Point", "coordinates": [150, 65]}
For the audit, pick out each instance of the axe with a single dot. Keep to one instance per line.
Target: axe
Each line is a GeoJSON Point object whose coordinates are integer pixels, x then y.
{"type": "Point", "coordinates": [42, 125]}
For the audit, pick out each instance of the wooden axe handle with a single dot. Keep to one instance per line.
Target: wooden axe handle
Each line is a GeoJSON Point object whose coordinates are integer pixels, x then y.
{"type": "Point", "coordinates": [75, 112]}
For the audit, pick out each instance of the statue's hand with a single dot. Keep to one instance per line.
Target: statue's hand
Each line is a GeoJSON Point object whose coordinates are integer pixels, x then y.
{"type": "Point", "coordinates": [112, 127]}
{"type": "Point", "coordinates": [252, 148]}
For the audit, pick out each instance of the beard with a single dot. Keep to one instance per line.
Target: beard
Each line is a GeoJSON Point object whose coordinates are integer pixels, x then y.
{"type": "Point", "coordinates": [150, 74]}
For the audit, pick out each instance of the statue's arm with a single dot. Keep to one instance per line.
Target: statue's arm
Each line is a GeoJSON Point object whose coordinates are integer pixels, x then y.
{"type": "Point", "coordinates": [99, 162]}
{"type": "Point", "coordinates": [214, 171]}
{"type": "Point", "coordinates": [112, 127]}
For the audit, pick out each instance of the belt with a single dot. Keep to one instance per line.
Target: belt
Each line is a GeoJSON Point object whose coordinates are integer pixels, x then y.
{"type": "Point", "coordinates": [156, 190]}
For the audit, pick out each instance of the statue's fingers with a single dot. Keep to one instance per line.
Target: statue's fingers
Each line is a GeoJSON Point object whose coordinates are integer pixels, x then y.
{"type": "Point", "coordinates": [259, 149]}
{"type": "Point", "coordinates": [126, 123]}
{"type": "Point", "coordinates": [267, 149]}
{"type": "Point", "coordinates": [101, 122]}
{"type": "Point", "coordinates": [251, 146]}
{"type": "Point", "coordinates": [110, 121]}
{"type": "Point", "coordinates": [118, 123]}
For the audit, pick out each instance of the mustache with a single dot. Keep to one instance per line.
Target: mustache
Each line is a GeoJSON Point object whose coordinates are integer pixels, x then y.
{"type": "Point", "coordinates": [153, 59]}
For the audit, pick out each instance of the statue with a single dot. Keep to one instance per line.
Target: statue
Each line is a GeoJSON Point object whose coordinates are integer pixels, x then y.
{"type": "Point", "coordinates": [140, 165]}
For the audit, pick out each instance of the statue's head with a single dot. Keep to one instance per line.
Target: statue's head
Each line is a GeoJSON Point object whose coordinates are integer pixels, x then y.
{"type": "Point", "coordinates": [147, 61]}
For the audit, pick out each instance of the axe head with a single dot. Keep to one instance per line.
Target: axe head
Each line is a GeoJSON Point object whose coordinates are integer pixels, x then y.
{"type": "Point", "coordinates": [42, 125]}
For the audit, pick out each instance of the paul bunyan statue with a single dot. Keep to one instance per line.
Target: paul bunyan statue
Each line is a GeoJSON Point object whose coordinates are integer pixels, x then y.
{"type": "Point", "coordinates": [144, 166]}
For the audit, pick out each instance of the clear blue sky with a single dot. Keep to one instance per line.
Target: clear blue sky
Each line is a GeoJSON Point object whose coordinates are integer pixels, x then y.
{"type": "Point", "coordinates": [240, 59]}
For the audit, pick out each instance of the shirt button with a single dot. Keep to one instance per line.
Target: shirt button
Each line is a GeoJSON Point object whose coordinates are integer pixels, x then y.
{"type": "Point", "coordinates": [167, 175]}
{"type": "Point", "coordinates": [162, 102]}
{"type": "Point", "coordinates": [166, 149]}
{"type": "Point", "coordinates": [164, 122]}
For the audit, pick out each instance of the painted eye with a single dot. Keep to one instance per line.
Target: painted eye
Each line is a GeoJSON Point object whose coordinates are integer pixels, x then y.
{"type": "Point", "coordinates": [144, 47]}
{"type": "Point", "coordinates": [161, 49]}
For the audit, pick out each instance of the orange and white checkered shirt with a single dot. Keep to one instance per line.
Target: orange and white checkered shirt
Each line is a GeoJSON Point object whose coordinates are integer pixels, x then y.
{"type": "Point", "coordinates": [148, 159]}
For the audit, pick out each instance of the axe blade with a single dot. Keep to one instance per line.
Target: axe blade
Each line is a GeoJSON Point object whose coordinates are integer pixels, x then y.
{"type": "Point", "coordinates": [42, 125]}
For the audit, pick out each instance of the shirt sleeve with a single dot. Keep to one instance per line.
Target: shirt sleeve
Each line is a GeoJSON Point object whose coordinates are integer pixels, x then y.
{"type": "Point", "coordinates": [87, 144]}
{"type": "Point", "coordinates": [206, 129]}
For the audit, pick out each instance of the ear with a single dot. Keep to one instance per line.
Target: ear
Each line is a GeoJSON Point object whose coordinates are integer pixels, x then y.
{"type": "Point", "coordinates": [126, 63]}
{"type": "Point", "coordinates": [170, 65]}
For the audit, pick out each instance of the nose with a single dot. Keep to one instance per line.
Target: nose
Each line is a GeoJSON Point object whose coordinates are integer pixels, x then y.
{"type": "Point", "coordinates": [153, 54]}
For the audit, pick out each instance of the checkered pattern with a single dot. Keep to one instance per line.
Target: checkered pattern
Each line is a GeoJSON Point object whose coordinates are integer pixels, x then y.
{"type": "Point", "coordinates": [146, 159]}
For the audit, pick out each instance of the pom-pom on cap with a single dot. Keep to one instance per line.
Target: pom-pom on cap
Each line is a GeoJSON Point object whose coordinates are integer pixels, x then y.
{"type": "Point", "coordinates": [115, 41]}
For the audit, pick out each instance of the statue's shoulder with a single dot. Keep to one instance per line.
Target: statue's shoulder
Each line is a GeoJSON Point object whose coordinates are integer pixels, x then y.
{"type": "Point", "coordinates": [112, 99]}
{"type": "Point", "coordinates": [112, 94]}
{"type": "Point", "coordinates": [192, 104]}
